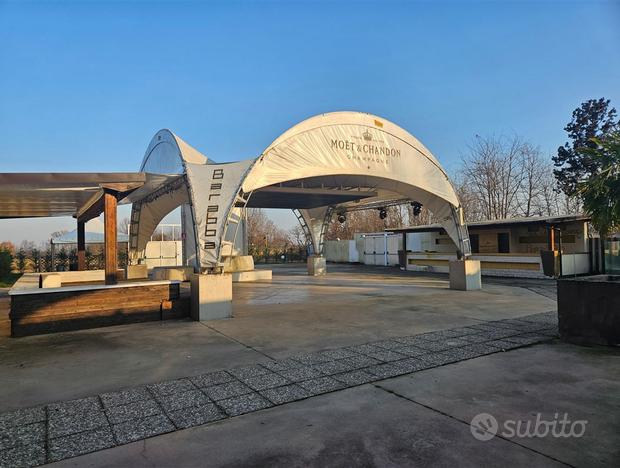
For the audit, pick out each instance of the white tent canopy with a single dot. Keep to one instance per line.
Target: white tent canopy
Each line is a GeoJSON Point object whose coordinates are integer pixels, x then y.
{"type": "Point", "coordinates": [329, 163]}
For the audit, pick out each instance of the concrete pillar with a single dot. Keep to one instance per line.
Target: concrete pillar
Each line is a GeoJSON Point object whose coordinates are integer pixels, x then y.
{"type": "Point", "coordinates": [465, 275]}
{"type": "Point", "coordinates": [211, 296]}
{"type": "Point", "coordinates": [317, 266]}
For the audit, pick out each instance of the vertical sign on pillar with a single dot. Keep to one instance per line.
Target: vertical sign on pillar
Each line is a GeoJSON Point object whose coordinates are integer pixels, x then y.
{"type": "Point", "coordinates": [213, 210]}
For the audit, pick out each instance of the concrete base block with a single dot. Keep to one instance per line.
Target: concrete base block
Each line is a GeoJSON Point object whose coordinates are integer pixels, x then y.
{"type": "Point", "coordinates": [50, 280]}
{"type": "Point", "coordinates": [248, 276]}
{"type": "Point", "coordinates": [317, 265]}
{"type": "Point", "coordinates": [465, 275]}
{"type": "Point", "coordinates": [211, 296]}
{"type": "Point", "coordinates": [137, 272]}
{"type": "Point", "coordinates": [239, 263]}
{"type": "Point", "coordinates": [176, 273]}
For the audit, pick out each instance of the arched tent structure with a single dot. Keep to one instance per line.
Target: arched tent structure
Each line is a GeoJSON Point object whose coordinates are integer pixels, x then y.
{"type": "Point", "coordinates": [329, 163]}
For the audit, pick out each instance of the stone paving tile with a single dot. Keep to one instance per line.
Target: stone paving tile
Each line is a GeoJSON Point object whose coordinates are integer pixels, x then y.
{"type": "Point", "coordinates": [415, 364]}
{"type": "Point", "coordinates": [385, 371]}
{"type": "Point", "coordinates": [477, 338]}
{"type": "Point", "coordinates": [11, 436]}
{"type": "Point", "coordinates": [452, 333]}
{"type": "Point", "coordinates": [79, 444]}
{"type": "Point", "coordinates": [464, 331]}
{"type": "Point", "coordinates": [196, 415]}
{"type": "Point", "coordinates": [212, 378]}
{"type": "Point", "coordinates": [443, 345]}
{"type": "Point", "coordinates": [23, 416]}
{"type": "Point", "coordinates": [226, 390]}
{"type": "Point", "coordinates": [124, 397]}
{"type": "Point", "coordinates": [412, 340]}
{"type": "Point", "coordinates": [265, 381]}
{"type": "Point", "coordinates": [333, 367]}
{"type": "Point", "coordinates": [466, 352]}
{"type": "Point", "coordinates": [309, 359]}
{"type": "Point", "coordinates": [386, 344]}
{"type": "Point", "coordinates": [137, 429]}
{"type": "Point", "coordinates": [244, 404]}
{"type": "Point", "coordinates": [544, 317]}
{"type": "Point", "coordinates": [553, 331]}
{"type": "Point", "coordinates": [284, 364]}
{"type": "Point", "coordinates": [285, 394]}
{"type": "Point", "coordinates": [528, 339]}
{"type": "Point", "coordinates": [23, 456]}
{"type": "Point", "coordinates": [334, 354]}
{"type": "Point", "coordinates": [302, 373]}
{"type": "Point", "coordinates": [365, 349]}
{"type": "Point", "coordinates": [321, 385]}
{"type": "Point", "coordinates": [411, 350]}
{"type": "Point", "coordinates": [171, 386]}
{"type": "Point", "coordinates": [183, 400]}
{"type": "Point", "coordinates": [387, 356]}
{"type": "Point", "coordinates": [522, 326]}
{"type": "Point", "coordinates": [486, 326]}
{"type": "Point", "coordinates": [81, 405]}
{"type": "Point", "coordinates": [360, 361]}
{"type": "Point", "coordinates": [62, 425]}
{"type": "Point", "coordinates": [248, 371]}
{"type": "Point", "coordinates": [356, 377]}
{"type": "Point", "coordinates": [135, 410]}
{"type": "Point", "coordinates": [496, 334]}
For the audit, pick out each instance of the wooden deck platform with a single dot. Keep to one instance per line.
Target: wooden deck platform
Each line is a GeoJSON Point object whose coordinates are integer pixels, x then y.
{"type": "Point", "coordinates": [39, 311]}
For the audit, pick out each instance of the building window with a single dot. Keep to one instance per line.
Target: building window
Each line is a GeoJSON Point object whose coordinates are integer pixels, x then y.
{"type": "Point", "coordinates": [503, 242]}
{"type": "Point", "coordinates": [474, 241]}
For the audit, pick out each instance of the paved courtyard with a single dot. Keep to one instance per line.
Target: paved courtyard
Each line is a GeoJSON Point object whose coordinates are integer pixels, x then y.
{"type": "Point", "coordinates": [367, 366]}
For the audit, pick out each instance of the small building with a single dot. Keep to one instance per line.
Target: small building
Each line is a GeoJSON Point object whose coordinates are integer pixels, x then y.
{"type": "Point", "coordinates": [506, 247]}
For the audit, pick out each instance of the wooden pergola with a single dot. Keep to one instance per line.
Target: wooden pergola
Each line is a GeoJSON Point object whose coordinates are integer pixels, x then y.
{"type": "Point", "coordinates": [83, 196]}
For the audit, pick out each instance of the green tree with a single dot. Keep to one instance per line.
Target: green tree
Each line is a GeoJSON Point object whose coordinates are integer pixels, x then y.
{"type": "Point", "coordinates": [6, 260]}
{"type": "Point", "coordinates": [62, 259]}
{"type": "Point", "coordinates": [36, 259]}
{"type": "Point", "coordinates": [20, 258]}
{"type": "Point", "coordinates": [601, 191]}
{"type": "Point", "coordinates": [593, 119]}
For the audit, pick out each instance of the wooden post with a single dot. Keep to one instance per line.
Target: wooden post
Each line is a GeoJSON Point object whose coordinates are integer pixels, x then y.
{"type": "Point", "coordinates": [81, 246]}
{"type": "Point", "coordinates": [111, 252]}
{"type": "Point", "coordinates": [552, 238]}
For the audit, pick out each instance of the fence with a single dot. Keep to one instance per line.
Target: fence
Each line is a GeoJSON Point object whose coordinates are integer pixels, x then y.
{"type": "Point", "coordinates": [612, 257]}
{"type": "Point", "coordinates": [287, 255]}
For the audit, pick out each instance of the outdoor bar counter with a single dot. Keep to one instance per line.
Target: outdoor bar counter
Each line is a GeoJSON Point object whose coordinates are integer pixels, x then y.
{"type": "Point", "coordinates": [47, 310]}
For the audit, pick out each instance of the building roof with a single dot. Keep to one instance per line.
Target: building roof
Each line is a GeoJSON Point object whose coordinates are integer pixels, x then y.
{"type": "Point", "coordinates": [500, 223]}
{"type": "Point", "coordinates": [29, 195]}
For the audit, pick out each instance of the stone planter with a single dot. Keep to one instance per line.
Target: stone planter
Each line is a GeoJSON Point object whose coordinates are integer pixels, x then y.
{"type": "Point", "coordinates": [589, 309]}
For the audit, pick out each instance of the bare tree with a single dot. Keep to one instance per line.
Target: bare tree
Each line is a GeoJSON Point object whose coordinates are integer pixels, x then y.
{"type": "Point", "coordinates": [493, 170]}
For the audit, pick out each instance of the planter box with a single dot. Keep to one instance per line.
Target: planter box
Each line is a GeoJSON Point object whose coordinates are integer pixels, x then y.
{"type": "Point", "coordinates": [589, 309]}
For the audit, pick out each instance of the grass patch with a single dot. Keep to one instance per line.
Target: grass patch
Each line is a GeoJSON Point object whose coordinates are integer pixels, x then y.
{"type": "Point", "coordinates": [7, 280]}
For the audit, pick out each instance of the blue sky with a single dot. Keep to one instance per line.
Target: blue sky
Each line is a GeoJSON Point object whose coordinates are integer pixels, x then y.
{"type": "Point", "coordinates": [84, 85]}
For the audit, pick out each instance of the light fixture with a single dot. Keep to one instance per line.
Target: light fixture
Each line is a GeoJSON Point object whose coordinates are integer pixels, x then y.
{"type": "Point", "coordinates": [417, 208]}
{"type": "Point", "coordinates": [342, 217]}
{"type": "Point", "coordinates": [382, 213]}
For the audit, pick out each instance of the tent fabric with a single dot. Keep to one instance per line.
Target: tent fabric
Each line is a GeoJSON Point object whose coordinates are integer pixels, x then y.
{"type": "Point", "coordinates": [347, 152]}
{"type": "Point", "coordinates": [166, 153]}
{"type": "Point", "coordinates": [373, 153]}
